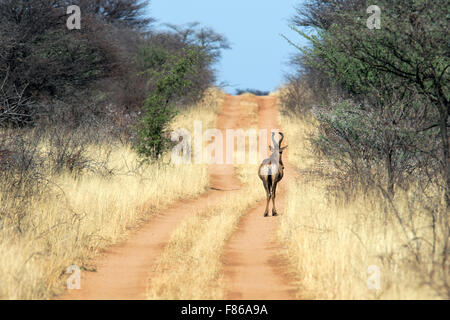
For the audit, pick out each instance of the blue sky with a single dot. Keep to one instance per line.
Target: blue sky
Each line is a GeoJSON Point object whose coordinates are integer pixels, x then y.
{"type": "Point", "coordinates": [259, 55]}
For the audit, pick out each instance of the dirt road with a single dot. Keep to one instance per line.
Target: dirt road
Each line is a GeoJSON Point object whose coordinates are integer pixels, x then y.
{"type": "Point", "coordinates": [252, 266]}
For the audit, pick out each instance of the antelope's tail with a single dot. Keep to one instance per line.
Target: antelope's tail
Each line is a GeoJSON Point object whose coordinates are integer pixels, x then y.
{"type": "Point", "coordinates": [269, 180]}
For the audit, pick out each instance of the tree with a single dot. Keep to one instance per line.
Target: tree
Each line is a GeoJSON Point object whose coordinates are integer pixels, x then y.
{"type": "Point", "coordinates": [209, 44]}
{"type": "Point", "coordinates": [130, 13]}
{"type": "Point", "coordinates": [171, 82]}
{"type": "Point", "coordinates": [322, 14]}
{"type": "Point", "coordinates": [43, 60]}
{"type": "Point", "coordinates": [411, 48]}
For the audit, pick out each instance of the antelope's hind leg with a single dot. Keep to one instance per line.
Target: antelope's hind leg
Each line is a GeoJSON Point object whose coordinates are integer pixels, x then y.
{"type": "Point", "coordinates": [267, 187]}
{"type": "Point", "coordinates": [274, 190]}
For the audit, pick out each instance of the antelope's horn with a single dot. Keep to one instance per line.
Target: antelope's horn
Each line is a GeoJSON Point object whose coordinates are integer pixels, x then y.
{"type": "Point", "coordinates": [282, 137]}
{"type": "Point", "coordinates": [273, 140]}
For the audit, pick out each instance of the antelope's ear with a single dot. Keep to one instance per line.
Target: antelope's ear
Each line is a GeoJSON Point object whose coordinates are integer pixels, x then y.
{"type": "Point", "coordinates": [282, 148]}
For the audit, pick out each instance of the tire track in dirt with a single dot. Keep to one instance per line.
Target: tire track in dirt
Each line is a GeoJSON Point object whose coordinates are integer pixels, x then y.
{"type": "Point", "coordinates": [253, 265]}
{"type": "Point", "coordinates": [123, 270]}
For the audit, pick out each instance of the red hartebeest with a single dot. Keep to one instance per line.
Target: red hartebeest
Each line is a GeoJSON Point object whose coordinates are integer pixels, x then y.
{"type": "Point", "coordinates": [271, 172]}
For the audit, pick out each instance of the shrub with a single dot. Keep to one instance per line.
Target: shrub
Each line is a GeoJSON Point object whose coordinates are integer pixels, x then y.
{"type": "Point", "coordinates": [408, 53]}
{"type": "Point", "coordinates": [158, 108]}
{"type": "Point", "coordinates": [256, 92]}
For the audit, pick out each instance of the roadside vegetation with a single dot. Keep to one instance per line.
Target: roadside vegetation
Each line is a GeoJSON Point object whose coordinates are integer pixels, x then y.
{"type": "Point", "coordinates": [75, 113]}
{"type": "Point", "coordinates": [57, 217]}
{"type": "Point", "coordinates": [332, 238]}
{"type": "Point", "coordinates": [369, 112]}
{"type": "Point", "coordinates": [256, 92]}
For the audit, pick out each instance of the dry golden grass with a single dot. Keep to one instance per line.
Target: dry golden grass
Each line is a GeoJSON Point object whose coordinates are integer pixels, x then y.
{"type": "Point", "coordinates": [297, 131]}
{"type": "Point", "coordinates": [331, 244]}
{"type": "Point", "coordinates": [191, 266]}
{"type": "Point", "coordinates": [83, 215]}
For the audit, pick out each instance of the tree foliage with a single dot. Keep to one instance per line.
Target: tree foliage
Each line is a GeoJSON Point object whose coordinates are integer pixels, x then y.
{"type": "Point", "coordinates": [381, 69]}
{"type": "Point", "coordinates": [100, 74]}
{"type": "Point", "coordinates": [172, 82]}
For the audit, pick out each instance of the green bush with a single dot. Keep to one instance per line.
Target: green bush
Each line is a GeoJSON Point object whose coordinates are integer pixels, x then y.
{"type": "Point", "coordinates": [171, 82]}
